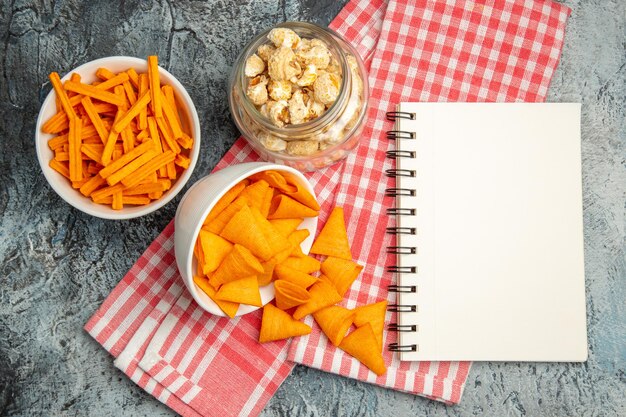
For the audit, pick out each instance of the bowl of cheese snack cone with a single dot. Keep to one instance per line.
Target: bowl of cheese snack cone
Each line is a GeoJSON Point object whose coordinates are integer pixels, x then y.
{"type": "Point", "coordinates": [245, 239]}
{"type": "Point", "coordinates": [117, 137]}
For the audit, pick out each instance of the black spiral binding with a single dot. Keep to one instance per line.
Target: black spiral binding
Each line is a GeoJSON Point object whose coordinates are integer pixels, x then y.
{"type": "Point", "coordinates": [401, 211]}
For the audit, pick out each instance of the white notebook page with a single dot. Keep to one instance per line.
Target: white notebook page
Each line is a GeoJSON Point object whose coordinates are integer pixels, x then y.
{"type": "Point", "coordinates": [500, 266]}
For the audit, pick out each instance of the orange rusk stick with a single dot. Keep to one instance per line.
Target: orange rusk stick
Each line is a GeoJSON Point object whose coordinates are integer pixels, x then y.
{"type": "Point", "coordinates": [90, 186]}
{"type": "Point", "coordinates": [156, 196]}
{"type": "Point", "coordinates": [168, 91]}
{"type": "Point", "coordinates": [132, 112]}
{"type": "Point", "coordinates": [117, 203]}
{"type": "Point", "coordinates": [104, 74]}
{"type": "Point", "coordinates": [75, 78]}
{"type": "Point", "coordinates": [145, 189]}
{"type": "Point", "coordinates": [94, 152]}
{"type": "Point", "coordinates": [106, 191]}
{"type": "Point", "coordinates": [142, 120]}
{"type": "Point", "coordinates": [95, 118]}
{"type": "Point", "coordinates": [155, 85]}
{"type": "Point", "coordinates": [136, 200]}
{"type": "Point", "coordinates": [75, 163]}
{"type": "Point", "coordinates": [60, 91]}
{"type": "Point", "coordinates": [56, 124]}
{"type": "Point", "coordinates": [170, 168]}
{"type": "Point", "coordinates": [185, 141]}
{"type": "Point", "coordinates": [182, 161]}
{"type": "Point", "coordinates": [143, 134]}
{"type": "Point", "coordinates": [60, 167]}
{"type": "Point", "coordinates": [156, 138]}
{"type": "Point", "coordinates": [113, 82]}
{"type": "Point", "coordinates": [126, 158]}
{"type": "Point", "coordinates": [167, 135]}
{"type": "Point", "coordinates": [105, 108]}
{"type": "Point", "coordinates": [94, 92]}
{"type": "Point", "coordinates": [78, 184]}
{"type": "Point", "coordinates": [171, 117]}
{"type": "Point", "coordinates": [57, 142]}
{"type": "Point", "coordinates": [109, 146]}
{"type": "Point", "coordinates": [93, 168]}
{"type": "Point", "coordinates": [130, 93]}
{"type": "Point", "coordinates": [157, 162]}
{"type": "Point", "coordinates": [133, 77]}
{"type": "Point", "coordinates": [130, 167]}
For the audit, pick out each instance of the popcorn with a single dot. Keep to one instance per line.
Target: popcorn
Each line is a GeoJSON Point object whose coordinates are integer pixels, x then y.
{"type": "Point", "coordinates": [254, 66]}
{"type": "Point", "coordinates": [282, 65]}
{"type": "Point", "coordinates": [284, 37]}
{"type": "Point", "coordinates": [308, 77]}
{"type": "Point", "coordinates": [326, 88]}
{"type": "Point", "coordinates": [316, 55]}
{"type": "Point", "coordinates": [279, 90]}
{"type": "Point", "coordinates": [257, 91]}
{"type": "Point", "coordinates": [302, 147]}
{"type": "Point", "coordinates": [298, 110]}
{"type": "Point", "coordinates": [271, 143]}
{"type": "Point", "coordinates": [265, 51]}
{"type": "Point", "coordinates": [293, 81]}
{"type": "Point", "coordinates": [278, 112]}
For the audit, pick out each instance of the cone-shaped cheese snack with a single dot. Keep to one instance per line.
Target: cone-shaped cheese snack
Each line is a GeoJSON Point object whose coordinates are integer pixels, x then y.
{"type": "Point", "coordinates": [296, 238]}
{"type": "Point", "coordinates": [276, 241]}
{"type": "Point", "coordinates": [289, 295]}
{"type": "Point", "coordinates": [214, 250]}
{"type": "Point", "coordinates": [239, 263]}
{"type": "Point", "coordinates": [243, 291]}
{"type": "Point", "coordinates": [277, 325]}
{"type": "Point", "coordinates": [333, 239]}
{"type": "Point", "coordinates": [292, 275]}
{"type": "Point", "coordinates": [284, 207]}
{"type": "Point", "coordinates": [286, 226]}
{"type": "Point", "coordinates": [334, 322]}
{"type": "Point", "coordinates": [226, 199]}
{"type": "Point", "coordinates": [217, 224]}
{"type": "Point", "coordinates": [323, 295]}
{"type": "Point", "coordinates": [255, 193]}
{"type": "Point", "coordinates": [361, 344]}
{"type": "Point", "coordinates": [341, 272]}
{"type": "Point", "coordinates": [245, 230]}
{"type": "Point", "coordinates": [230, 309]}
{"type": "Point", "coordinates": [288, 185]}
{"type": "Point", "coordinates": [374, 314]}
{"type": "Point", "coordinates": [268, 272]}
{"type": "Point", "coordinates": [304, 264]}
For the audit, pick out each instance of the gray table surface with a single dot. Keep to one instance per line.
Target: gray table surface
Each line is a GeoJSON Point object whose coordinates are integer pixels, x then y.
{"type": "Point", "coordinates": [58, 265]}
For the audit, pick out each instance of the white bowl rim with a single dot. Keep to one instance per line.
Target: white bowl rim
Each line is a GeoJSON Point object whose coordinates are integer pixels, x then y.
{"type": "Point", "coordinates": [51, 175]}
{"type": "Point", "coordinates": [191, 285]}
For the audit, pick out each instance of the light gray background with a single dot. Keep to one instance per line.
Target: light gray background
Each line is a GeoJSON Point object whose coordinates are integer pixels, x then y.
{"type": "Point", "coordinates": [58, 265]}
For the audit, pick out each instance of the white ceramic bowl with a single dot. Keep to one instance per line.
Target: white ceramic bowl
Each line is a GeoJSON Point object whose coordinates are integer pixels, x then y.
{"type": "Point", "coordinates": [196, 205]}
{"type": "Point", "coordinates": [189, 119]}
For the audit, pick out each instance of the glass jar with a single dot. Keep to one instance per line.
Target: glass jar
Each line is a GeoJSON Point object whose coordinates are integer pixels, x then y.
{"type": "Point", "coordinates": [321, 141]}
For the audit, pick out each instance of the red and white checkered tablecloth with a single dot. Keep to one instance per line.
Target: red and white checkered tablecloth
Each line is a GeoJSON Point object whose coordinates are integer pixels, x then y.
{"type": "Point", "coordinates": [429, 50]}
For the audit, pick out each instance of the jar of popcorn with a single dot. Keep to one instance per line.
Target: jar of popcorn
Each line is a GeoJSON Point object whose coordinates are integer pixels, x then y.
{"type": "Point", "coordinates": [298, 93]}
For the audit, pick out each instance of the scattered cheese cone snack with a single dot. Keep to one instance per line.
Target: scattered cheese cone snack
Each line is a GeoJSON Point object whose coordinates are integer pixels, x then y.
{"type": "Point", "coordinates": [294, 276]}
{"type": "Point", "coordinates": [323, 294]}
{"type": "Point", "coordinates": [374, 315]}
{"type": "Point", "coordinates": [229, 308]}
{"type": "Point", "coordinates": [214, 250]}
{"type": "Point", "coordinates": [289, 295]}
{"type": "Point", "coordinates": [333, 238]}
{"type": "Point", "coordinates": [242, 291]}
{"type": "Point", "coordinates": [296, 238]}
{"type": "Point", "coordinates": [239, 263]}
{"type": "Point", "coordinates": [275, 240]}
{"type": "Point", "coordinates": [289, 186]}
{"type": "Point", "coordinates": [284, 207]}
{"type": "Point", "coordinates": [361, 344]}
{"type": "Point", "coordinates": [217, 224]}
{"type": "Point", "coordinates": [277, 325]}
{"type": "Point", "coordinates": [243, 229]}
{"type": "Point", "coordinates": [286, 226]}
{"type": "Point", "coordinates": [304, 264]}
{"type": "Point", "coordinates": [334, 322]}
{"type": "Point", "coordinates": [268, 272]}
{"type": "Point", "coordinates": [341, 273]}
{"type": "Point", "coordinates": [256, 193]}
{"type": "Point", "coordinates": [225, 201]}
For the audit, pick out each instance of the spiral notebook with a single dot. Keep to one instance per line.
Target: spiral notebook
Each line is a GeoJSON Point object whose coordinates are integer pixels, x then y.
{"type": "Point", "coordinates": [489, 228]}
